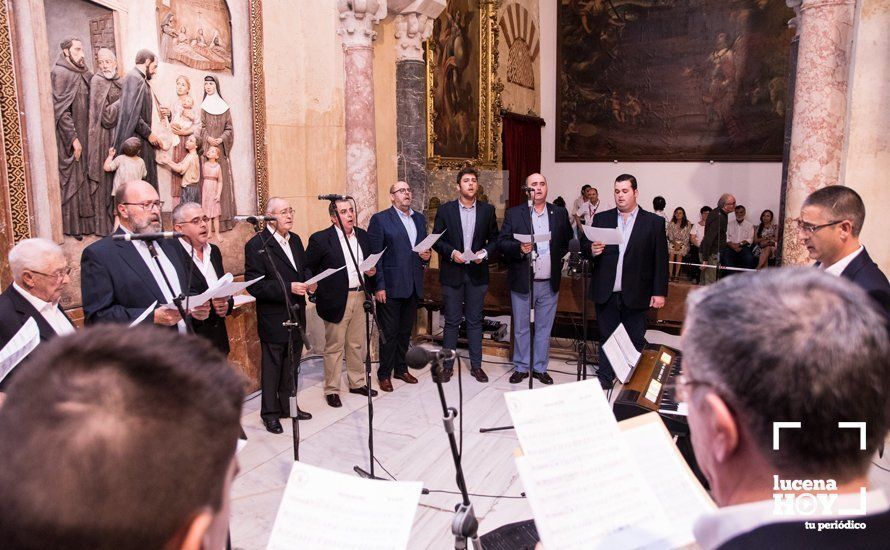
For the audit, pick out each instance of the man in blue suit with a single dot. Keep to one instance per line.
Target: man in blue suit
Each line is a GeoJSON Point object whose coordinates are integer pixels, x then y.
{"type": "Point", "coordinates": [543, 217]}
{"type": "Point", "coordinates": [399, 280]}
{"type": "Point", "coordinates": [829, 225]}
{"type": "Point", "coordinates": [471, 227]}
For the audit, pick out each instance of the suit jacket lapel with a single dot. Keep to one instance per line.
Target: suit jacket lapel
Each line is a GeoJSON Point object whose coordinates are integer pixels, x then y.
{"type": "Point", "coordinates": [336, 248]}
{"type": "Point", "coordinates": [23, 306]}
{"type": "Point", "coordinates": [293, 250]}
{"type": "Point", "coordinates": [480, 228]}
{"type": "Point", "coordinates": [131, 257]}
{"type": "Point", "coordinates": [278, 251]}
{"type": "Point", "coordinates": [216, 261]}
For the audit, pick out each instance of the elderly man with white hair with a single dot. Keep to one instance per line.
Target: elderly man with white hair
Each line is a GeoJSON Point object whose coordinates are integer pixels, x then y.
{"type": "Point", "coordinates": [40, 272]}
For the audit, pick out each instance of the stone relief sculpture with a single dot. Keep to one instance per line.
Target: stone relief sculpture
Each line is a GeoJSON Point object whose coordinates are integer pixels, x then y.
{"type": "Point", "coordinates": [196, 33]}
{"type": "Point", "coordinates": [518, 29]}
{"type": "Point", "coordinates": [71, 99]}
{"type": "Point", "coordinates": [216, 130]}
{"type": "Point", "coordinates": [183, 121]}
{"type": "Point", "coordinates": [137, 105]}
{"type": "Point", "coordinates": [105, 94]}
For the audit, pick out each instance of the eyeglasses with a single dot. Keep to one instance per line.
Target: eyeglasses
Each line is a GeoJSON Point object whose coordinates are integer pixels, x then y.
{"type": "Point", "coordinates": [405, 190]}
{"type": "Point", "coordinates": [197, 221]}
{"type": "Point", "coordinates": [682, 386]}
{"type": "Point", "coordinates": [286, 212]}
{"type": "Point", "coordinates": [57, 275]}
{"type": "Point", "coordinates": [810, 229]}
{"type": "Point", "coordinates": [146, 205]}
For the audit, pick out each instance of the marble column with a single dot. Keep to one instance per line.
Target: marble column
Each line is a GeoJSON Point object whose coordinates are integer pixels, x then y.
{"type": "Point", "coordinates": [820, 105]}
{"type": "Point", "coordinates": [357, 20]}
{"type": "Point", "coordinates": [414, 25]}
{"type": "Point", "coordinates": [794, 23]}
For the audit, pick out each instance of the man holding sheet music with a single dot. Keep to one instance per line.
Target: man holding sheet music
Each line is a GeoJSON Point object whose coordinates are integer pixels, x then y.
{"type": "Point", "coordinates": [628, 277]}
{"type": "Point", "coordinates": [190, 220]}
{"type": "Point", "coordinates": [827, 387]}
{"type": "Point", "coordinates": [39, 274]}
{"type": "Point", "coordinates": [402, 233]}
{"type": "Point", "coordinates": [340, 299]}
{"type": "Point", "coordinates": [541, 219]}
{"type": "Point", "coordinates": [470, 237]}
{"type": "Point", "coordinates": [120, 280]}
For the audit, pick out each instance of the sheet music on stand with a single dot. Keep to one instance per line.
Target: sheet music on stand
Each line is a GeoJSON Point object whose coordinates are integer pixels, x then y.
{"type": "Point", "coordinates": [586, 485]}
{"type": "Point", "coordinates": [322, 509]}
{"type": "Point", "coordinates": [18, 347]}
{"type": "Point", "coordinates": [622, 354]}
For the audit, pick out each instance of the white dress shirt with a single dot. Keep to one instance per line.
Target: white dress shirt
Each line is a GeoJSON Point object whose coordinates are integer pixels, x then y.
{"type": "Point", "coordinates": [169, 270]}
{"type": "Point", "coordinates": [739, 232]}
{"type": "Point", "coordinates": [356, 250]}
{"type": "Point", "coordinates": [284, 243]}
{"type": "Point", "coordinates": [839, 266]}
{"type": "Point", "coordinates": [714, 529]}
{"type": "Point", "coordinates": [698, 231]}
{"type": "Point", "coordinates": [204, 266]}
{"type": "Point", "coordinates": [541, 225]}
{"type": "Point", "coordinates": [625, 227]}
{"type": "Point", "coordinates": [408, 222]}
{"type": "Point", "coordinates": [50, 311]}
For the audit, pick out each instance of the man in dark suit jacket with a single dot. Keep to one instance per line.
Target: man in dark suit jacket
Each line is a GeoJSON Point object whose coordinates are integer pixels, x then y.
{"type": "Point", "coordinates": [714, 244]}
{"type": "Point", "coordinates": [829, 225]}
{"type": "Point", "coordinates": [205, 267]}
{"type": "Point", "coordinates": [631, 277]}
{"type": "Point", "coordinates": [470, 226]}
{"type": "Point", "coordinates": [340, 299]}
{"type": "Point", "coordinates": [399, 280]}
{"type": "Point", "coordinates": [120, 280]}
{"type": "Point", "coordinates": [40, 273]}
{"type": "Point", "coordinates": [746, 371]}
{"type": "Point", "coordinates": [285, 249]}
{"type": "Point", "coordinates": [543, 217]}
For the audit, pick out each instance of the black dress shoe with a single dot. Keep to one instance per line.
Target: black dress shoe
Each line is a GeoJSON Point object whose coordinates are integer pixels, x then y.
{"type": "Point", "coordinates": [543, 377]}
{"type": "Point", "coordinates": [479, 375]}
{"type": "Point", "coordinates": [363, 391]}
{"type": "Point", "coordinates": [333, 400]}
{"type": "Point", "coordinates": [443, 375]}
{"type": "Point", "coordinates": [273, 426]}
{"type": "Point", "coordinates": [406, 377]}
{"type": "Point", "coordinates": [301, 415]}
{"type": "Point", "coordinates": [518, 377]}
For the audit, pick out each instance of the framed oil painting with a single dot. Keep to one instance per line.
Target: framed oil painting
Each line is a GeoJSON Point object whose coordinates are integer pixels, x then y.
{"type": "Point", "coordinates": [665, 80]}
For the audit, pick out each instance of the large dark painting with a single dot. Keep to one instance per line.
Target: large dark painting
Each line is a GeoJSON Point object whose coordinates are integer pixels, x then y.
{"type": "Point", "coordinates": [671, 79]}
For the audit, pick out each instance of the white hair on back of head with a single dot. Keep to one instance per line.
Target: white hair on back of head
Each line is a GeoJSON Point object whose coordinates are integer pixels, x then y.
{"type": "Point", "coordinates": [32, 254]}
{"type": "Point", "coordinates": [272, 203]}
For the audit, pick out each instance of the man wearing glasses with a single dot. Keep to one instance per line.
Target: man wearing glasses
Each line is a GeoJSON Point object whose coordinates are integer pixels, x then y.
{"type": "Point", "coordinates": [120, 279]}
{"type": "Point", "coordinates": [399, 280]}
{"type": "Point", "coordinates": [40, 273]}
{"type": "Point", "coordinates": [829, 225]}
{"type": "Point", "coordinates": [714, 242]}
{"type": "Point", "coordinates": [194, 246]}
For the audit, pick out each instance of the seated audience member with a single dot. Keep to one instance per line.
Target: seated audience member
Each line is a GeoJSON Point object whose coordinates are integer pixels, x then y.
{"type": "Point", "coordinates": [39, 274]}
{"type": "Point", "coordinates": [678, 230]}
{"type": "Point", "coordinates": [118, 439]}
{"type": "Point", "coordinates": [695, 239]}
{"type": "Point", "coordinates": [831, 364]}
{"type": "Point", "coordinates": [739, 236]}
{"type": "Point", "coordinates": [658, 205]}
{"type": "Point", "coordinates": [829, 225]}
{"type": "Point", "coordinates": [559, 201]}
{"type": "Point", "coordinates": [765, 239]}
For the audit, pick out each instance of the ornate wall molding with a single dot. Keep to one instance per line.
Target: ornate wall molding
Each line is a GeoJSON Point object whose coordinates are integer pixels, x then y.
{"type": "Point", "coordinates": [258, 96]}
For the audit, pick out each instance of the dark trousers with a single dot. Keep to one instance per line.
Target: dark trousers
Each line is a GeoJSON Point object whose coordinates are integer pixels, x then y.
{"type": "Point", "coordinates": [613, 312]}
{"type": "Point", "coordinates": [459, 302]}
{"type": "Point", "coordinates": [276, 379]}
{"type": "Point", "coordinates": [396, 318]}
{"type": "Point", "coordinates": [743, 258]}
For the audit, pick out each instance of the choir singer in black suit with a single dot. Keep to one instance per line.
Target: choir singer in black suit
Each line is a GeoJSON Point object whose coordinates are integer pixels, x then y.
{"type": "Point", "coordinates": [340, 299]}
{"type": "Point", "coordinates": [286, 251]}
{"type": "Point", "coordinates": [631, 277]}
{"type": "Point", "coordinates": [470, 226]}
{"type": "Point", "coordinates": [204, 264]}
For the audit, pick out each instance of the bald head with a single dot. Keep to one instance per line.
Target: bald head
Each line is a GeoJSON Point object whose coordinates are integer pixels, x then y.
{"type": "Point", "coordinates": [537, 183]}
{"type": "Point", "coordinates": [281, 209]}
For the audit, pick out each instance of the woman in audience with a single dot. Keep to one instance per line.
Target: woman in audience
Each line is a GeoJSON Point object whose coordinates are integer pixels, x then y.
{"type": "Point", "coordinates": [678, 241]}
{"type": "Point", "coordinates": [765, 239]}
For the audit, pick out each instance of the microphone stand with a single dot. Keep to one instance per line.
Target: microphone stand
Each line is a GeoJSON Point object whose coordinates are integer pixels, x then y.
{"type": "Point", "coordinates": [177, 298]}
{"type": "Point", "coordinates": [582, 352]}
{"type": "Point", "coordinates": [370, 313]}
{"type": "Point", "coordinates": [293, 322]}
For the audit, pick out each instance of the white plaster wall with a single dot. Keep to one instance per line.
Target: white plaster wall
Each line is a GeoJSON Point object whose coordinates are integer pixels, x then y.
{"type": "Point", "coordinates": [687, 184]}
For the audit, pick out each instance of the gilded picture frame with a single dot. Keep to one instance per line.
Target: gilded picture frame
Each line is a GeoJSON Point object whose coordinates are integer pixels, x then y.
{"type": "Point", "coordinates": [463, 92]}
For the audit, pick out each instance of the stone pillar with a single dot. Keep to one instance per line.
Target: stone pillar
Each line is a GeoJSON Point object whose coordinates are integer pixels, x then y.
{"type": "Point", "coordinates": [357, 20]}
{"type": "Point", "coordinates": [794, 23]}
{"type": "Point", "coordinates": [820, 105]}
{"type": "Point", "coordinates": [414, 25]}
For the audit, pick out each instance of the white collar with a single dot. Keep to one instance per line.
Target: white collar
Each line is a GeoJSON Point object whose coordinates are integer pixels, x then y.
{"type": "Point", "coordinates": [462, 205]}
{"type": "Point", "coordinates": [340, 234]}
{"type": "Point", "coordinates": [214, 105]}
{"type": "Point", "coordinates": [38, 304]}
{"type": "Point", "coordinates": [279, 237]}
{"type": "Point", "coordinates": [839, 266]}
{"type": "Point", "coordinates": [188, 248]}
{"type": "Point", "coordinates": [402, 214]}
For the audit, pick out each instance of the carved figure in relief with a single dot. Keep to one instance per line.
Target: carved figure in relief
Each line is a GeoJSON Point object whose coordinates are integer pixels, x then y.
{"type": "Point", "coordinates": [105, 94]}
{"type": "Point", "coordinates": [215, 130]}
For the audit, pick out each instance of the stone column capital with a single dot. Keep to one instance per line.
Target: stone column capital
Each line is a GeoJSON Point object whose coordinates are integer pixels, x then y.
{"type": "Point", "coordinates": [414, 24]}
{"type": "Point", "coordinates": [357, 20]}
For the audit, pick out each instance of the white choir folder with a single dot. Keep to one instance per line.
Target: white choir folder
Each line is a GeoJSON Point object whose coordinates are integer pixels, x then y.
{"type": "Point", "coordinates": [622, 354]}
{"type": "Point", "coordinates": [594, 483]}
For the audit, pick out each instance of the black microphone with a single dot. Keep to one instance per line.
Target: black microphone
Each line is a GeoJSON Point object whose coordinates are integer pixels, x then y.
{"type": "Point", "coordinates": [419, 357]}
{"type": "Point", "coordinates": [527, 189]}
{"type": "Point", "coordinates": [334, 197]}
{"type": "Point", "coordinates": [147, 236]}
{"type": "Point", "coordinates": [254, 219]}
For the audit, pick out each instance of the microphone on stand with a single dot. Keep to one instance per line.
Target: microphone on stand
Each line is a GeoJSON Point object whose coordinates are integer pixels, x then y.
{"type": "Point", "coordinates": [334, 197]}
{"type": "Point", "coordinates": [419, 357]}
{"type": "Point", "coordinates": [147, 236]}
{"type": "Point", "coordinates": [254, 219]}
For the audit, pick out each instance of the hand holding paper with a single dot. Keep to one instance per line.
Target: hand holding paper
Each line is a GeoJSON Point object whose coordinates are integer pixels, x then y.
{"type": "Point", "coordinates": [18, 347]}
{"type": "Point", "coordinates": [370, 261]}
{"type": "Point", "coordinates": [324, 275]}
{"type": "Point", "coordinates": [602, 235]}
{"type": "Point", "coordinates": [537, 237]}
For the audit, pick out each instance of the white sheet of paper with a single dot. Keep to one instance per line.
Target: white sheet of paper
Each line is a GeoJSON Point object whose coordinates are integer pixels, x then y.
{"type": "Point", "coordinates": [622, 354]}
{"type": "Point", "coordinates": [679, 492]}
{"type": "Point", "coordinates": [322, 509]}
{"type": "Point", "coordinates": [573, 467]}
{"type": "Point", "coordinates": [537, 237]}
{"type": "Point", "coordinates": [18, 347]}
{"type": "Point", "coordinates": [144, 314]}
{"type": "Point", "coordinates": [469, 256]}
{"type": "Point", "coordinates": [242, 300]}
{"type": "Point", "coordinates": [627, 347]}
{"type": "Point", "coordinates": [217, 290]}
{"type": "Point", "coordinates": [602, 234]}
{"type": "Point", "coordinates": [370, 261]}
{"type": "Point", "coordinates": [324, 274]}
{"type": "Point", "coordinates": [428, 242]}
